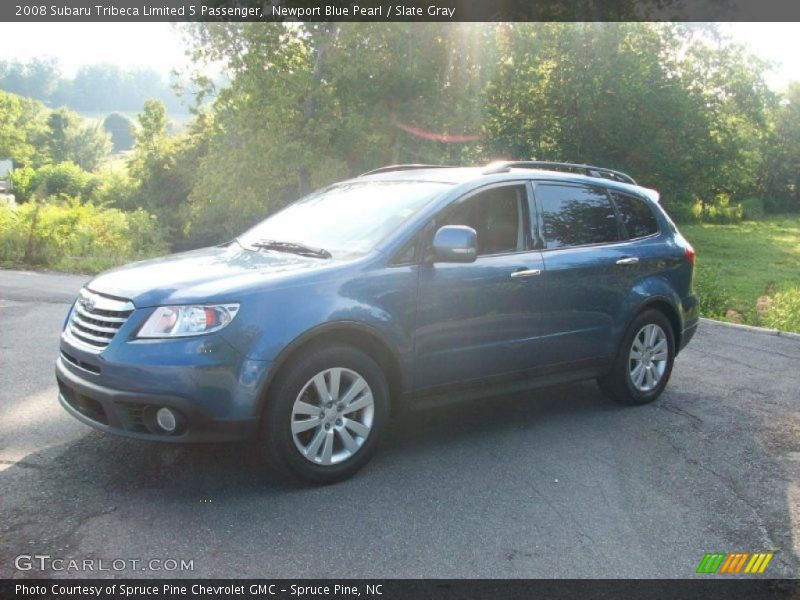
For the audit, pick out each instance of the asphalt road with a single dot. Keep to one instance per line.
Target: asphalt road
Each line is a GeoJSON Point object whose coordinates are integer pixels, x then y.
{"type": "Point", "coordinates": [556, 483]}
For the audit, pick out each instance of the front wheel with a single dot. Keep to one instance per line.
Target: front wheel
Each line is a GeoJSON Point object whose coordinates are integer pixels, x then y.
{"type": "Point", "coordinates": [644, 362]}
{"type": "Point", "coordinates": [325, 415]}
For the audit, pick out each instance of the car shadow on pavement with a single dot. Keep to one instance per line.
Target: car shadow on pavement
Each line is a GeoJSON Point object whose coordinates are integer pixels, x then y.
{"type": "Point", "coordinates": [109, 463]}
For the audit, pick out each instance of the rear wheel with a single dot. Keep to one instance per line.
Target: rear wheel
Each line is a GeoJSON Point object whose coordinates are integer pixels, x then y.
{"type": "Point", "coordinates": [325, 415]}
{"type": "Point", "coordinates": [644, 362]}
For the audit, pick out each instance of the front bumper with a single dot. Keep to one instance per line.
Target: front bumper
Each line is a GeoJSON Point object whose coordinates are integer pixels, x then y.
{"type": "Point", "coordinates": [131, 414]}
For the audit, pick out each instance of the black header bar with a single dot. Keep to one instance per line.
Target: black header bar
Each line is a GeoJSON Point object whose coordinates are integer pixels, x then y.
{"type": "Point", "coordinates": [66, 11]}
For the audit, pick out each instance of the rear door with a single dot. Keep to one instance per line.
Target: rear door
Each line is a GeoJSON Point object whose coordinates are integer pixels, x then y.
{"type": "Point", "coordinates": [482, 319]}
{"type": "Point", "coordinates": [589, 271]}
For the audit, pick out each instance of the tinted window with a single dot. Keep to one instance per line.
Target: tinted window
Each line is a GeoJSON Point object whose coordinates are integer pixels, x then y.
{"type": "Point", "coordinates": [575, 216]}
{"type": "Point", "coordinates": [636, 215]}
{"type": "Point", "coordinates": [496, 216]}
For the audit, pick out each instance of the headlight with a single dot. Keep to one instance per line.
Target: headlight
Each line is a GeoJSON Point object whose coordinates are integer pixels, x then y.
{"type": "Point", "coordinates": [181, 321]}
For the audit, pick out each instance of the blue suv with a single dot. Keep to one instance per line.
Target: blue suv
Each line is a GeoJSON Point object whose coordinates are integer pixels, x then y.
{"type": "Point", "coordinates": [406, 284]}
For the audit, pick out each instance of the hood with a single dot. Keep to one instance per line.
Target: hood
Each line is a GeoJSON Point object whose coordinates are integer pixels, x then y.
{"type": "Point", "coordinates": [205, 275]}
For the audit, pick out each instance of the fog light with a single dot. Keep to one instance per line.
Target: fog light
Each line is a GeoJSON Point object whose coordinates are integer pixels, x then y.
{"type": "Point", "coordinates": [166, 420]}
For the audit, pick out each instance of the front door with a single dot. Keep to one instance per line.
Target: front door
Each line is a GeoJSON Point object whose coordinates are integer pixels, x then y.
{"type": "Point", "coordinates": [482, 319]}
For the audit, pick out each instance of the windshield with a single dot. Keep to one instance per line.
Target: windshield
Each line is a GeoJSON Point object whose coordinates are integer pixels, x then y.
{"type": "Point", "coordinates": [348, 219]}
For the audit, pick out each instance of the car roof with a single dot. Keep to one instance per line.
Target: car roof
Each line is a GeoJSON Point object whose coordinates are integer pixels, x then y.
{"type": "Point", "coordinates": [459, 175]}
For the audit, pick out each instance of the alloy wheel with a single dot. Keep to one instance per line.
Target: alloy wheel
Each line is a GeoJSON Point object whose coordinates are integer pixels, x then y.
{"type": "Point", "coordinates": [332, 416]}
{"type": "Point", "coordinates": [648, 357]}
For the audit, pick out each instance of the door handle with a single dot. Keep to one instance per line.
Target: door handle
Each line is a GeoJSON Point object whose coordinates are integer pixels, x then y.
{"type": "Point", "coordinates": [526, 273]}
{"type": "Point", "coordinates": [628, 260]}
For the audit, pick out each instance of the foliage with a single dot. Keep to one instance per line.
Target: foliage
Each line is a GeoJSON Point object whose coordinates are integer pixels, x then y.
{"type": "Point", "coordinates": [31, 135]}
{"type": "Point", "coordinates": [94, 88]}
{"type": "Point", "coordinates": [750, 257]}
{"type": "Point", "coordinates": [21, 127]}
{"type": "Point", "coordinates": [65, 178]}
{"type": "Point", "coordinates": [721, 211]}
{"type": "Point", "coordinates": [316, 102]}
{"type": "Point", "coordinates": [682, 213]}
{"type": "Point", "coordinates": [752, 209]}
{"type": "Point", "coordinates": [784, 311]}
{"type": "Point", "coordinates": [782, 155]}
{"type": "Point", "coordinates": [162, 168]}
{"type": "Point", "coordinates": [69, 235]}
{"type": "Point", "coordinates": [679, 106]}
{"type": "Point", "coordinates": [714, 297]}
{"type": "Point", "coordinates": [35, 79]}
{"type": "Point", "coordinates": [120, 128]}
{"type": "Point", "coordinates": [669, 103]}
{"type": "Point", "coordinates": [71, 139]}
{"type": "Point", "coordinates": [20, 180]}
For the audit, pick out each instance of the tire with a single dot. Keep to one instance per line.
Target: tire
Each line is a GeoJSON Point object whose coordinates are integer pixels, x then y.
{"type": "Point", "coordinates": [325, 440]}
{"type": "Point", "coordinates": [635, 381]}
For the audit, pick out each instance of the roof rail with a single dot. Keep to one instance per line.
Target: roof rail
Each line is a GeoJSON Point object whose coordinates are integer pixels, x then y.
{"type": "Point", "coordinates": [588, 170]}
{"type": "Point", "coordinates": [408, 167]}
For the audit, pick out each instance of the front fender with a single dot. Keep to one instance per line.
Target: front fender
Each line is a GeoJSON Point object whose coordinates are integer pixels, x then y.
{"type": "Point", "coordinates": [382, 301]}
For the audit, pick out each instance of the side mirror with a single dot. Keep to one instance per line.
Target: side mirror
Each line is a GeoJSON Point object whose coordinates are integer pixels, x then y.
{"type": "Point", "coordinates": [455, 244]}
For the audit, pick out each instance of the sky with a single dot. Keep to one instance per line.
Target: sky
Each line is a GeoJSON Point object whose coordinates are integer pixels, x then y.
{"type": "Point", "coordinates": [153, 45]}
{"type": "Point", "coordinates": [159, 45]}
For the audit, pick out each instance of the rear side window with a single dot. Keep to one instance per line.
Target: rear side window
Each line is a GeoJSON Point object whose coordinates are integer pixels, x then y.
{"type": "Point", "coordinates": [576, 215]}
{"type": "Point", "coordinates": [636, 215]}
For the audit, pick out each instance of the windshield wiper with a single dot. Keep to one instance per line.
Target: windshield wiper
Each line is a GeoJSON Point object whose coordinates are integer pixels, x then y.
{"type": "Point", "coordinates": [293, 248]}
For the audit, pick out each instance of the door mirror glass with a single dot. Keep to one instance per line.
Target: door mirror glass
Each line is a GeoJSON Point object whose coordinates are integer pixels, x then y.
{"type": "Point", "coordinates": [455, 244]}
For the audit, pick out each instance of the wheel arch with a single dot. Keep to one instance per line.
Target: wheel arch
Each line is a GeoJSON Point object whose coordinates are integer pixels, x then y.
{"type": "Point", "coordinates": [359, 335]}
{"type": "Point", "coordinates": [664, 306]}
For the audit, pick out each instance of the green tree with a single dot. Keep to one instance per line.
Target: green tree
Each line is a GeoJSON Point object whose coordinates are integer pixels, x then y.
{"type": "Point", "coordinates": [37, 79]}
{"type": "Point", "coordinates": [120, 128]}
{"type": "Point", "coordinates": [671, 104]}
{"type": "Point", "coordinates": [163, 168]}
{"type": "Point", "coordinates": [21, 128]}
{"type": "Point", "coordinates": [69, 138]}
{"type": "Point", "coordinates": [782, 154]}
{"type": "Point", "coordinates": [312, 103]}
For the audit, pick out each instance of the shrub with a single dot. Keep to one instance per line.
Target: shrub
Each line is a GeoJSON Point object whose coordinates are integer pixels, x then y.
{"type": "Point", "coordinates": [784, 311]}
{"type": "Point", "coordinates": [753, 209]}
{"type": "Point", "coordinates": [721, 214]}
{"type": "Point", "coordinates": [112, 190]}
{"type": "Point", "coordinates": [72, 236]}
{"type": "Point", "coordinates": [65, 178]}
{"type": "Point", "coordinates": [719, 211]}
{"type": "Point", "coordinates": [681, 213]}
{"type": "Point", "coordinates": [714, 297]}
{"type": "Point", "coordinates": [68, 179]}
{"type": "Point", "coordinates": [21, 183]}
{"type": "Point", "coordinates": [121, 129]}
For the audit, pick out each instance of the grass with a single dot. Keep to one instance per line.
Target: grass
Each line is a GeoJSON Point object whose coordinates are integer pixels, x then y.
{"type": "Point", "coordinates": [750, 258]}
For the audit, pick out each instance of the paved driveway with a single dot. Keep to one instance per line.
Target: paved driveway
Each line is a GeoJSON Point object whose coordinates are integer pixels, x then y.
{"type": "Point", "coordinates": [555, 483]}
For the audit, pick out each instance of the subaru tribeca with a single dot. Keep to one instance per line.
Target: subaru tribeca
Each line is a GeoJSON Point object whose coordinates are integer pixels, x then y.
{"type": "Point", "coordinates": [407, 283]}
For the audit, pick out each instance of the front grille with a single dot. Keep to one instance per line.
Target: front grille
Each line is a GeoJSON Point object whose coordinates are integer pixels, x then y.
{"type": "Point", "coordinates": [96, 319]}
{"type": "Point", "coordinates": [80, 363]}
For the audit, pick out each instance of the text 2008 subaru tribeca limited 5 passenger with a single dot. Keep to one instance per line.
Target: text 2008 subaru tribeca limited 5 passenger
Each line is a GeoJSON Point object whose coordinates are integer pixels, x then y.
{"type": "Point", "coordinates": [407, 282]}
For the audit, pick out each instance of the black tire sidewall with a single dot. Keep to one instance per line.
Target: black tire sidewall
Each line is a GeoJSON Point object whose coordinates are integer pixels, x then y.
{"type": "Point", "coordinates": [276, 436]}
{"type": "Point", "coordinates": [623, 383]}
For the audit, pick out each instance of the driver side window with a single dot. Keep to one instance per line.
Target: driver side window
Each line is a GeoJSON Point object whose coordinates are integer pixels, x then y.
{"type": "Point", "coordinates": [497, 217]}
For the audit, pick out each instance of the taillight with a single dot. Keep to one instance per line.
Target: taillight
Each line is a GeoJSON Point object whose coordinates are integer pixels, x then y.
{"type": "Point", "coordinates": [690, 253]}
